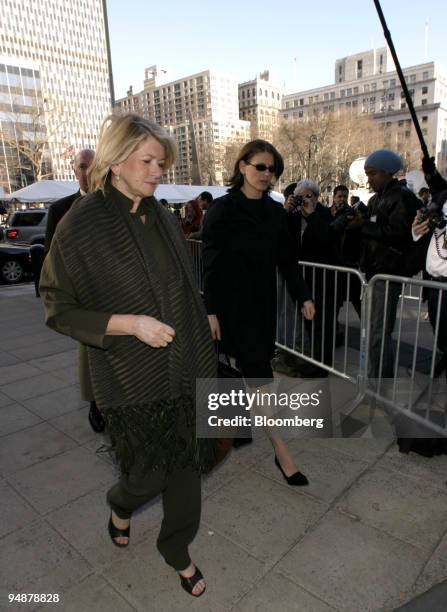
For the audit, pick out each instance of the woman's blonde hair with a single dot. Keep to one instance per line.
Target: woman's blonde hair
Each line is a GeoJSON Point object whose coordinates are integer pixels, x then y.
{"type": "Point", "coordinates": [120, 135]}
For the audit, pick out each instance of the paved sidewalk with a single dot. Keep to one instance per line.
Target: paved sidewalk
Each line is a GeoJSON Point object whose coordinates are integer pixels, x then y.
{"type": "Point", "coordinates": [368, 534]}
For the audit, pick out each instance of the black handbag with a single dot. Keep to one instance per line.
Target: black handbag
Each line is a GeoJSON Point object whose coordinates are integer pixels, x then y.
{"type": "Point", "coordinates": [226, 370]}
{"type": "Point", "coordinates": [224, 367]}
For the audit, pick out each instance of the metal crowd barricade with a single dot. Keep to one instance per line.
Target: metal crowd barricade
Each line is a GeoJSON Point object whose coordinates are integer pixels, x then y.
{"type": "Point", "coordinates": [195, 248]}
{"type": "Point", "coordinates": [401, 365]}
{"type": "Point", "coordinates": [318, 342]}
{"type": "Point", "coordinates": [410, 391]}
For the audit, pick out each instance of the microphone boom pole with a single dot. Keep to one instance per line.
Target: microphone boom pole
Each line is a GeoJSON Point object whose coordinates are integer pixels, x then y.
{"type": "Point", "coordinates": [403, 83]}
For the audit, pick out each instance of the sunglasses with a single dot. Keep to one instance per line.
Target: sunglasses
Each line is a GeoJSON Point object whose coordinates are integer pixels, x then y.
{"type": "Point", "coordinates": [263, 167]}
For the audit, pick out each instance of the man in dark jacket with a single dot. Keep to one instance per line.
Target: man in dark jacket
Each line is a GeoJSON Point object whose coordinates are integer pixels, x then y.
{"type": "Point", "coordinates": [387, 249]}
{"type": "Point", "coordinates": [57, 210]}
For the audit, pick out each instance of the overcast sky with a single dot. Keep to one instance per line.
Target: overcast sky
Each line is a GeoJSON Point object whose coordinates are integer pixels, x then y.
{"type": "Point", "coordinates": [242, 38]}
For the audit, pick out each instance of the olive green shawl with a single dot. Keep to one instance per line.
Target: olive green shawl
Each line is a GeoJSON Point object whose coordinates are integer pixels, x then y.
{"type": "Point", "coordinates": [146, 393]}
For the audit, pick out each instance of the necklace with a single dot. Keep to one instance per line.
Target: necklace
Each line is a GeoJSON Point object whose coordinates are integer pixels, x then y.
{"type": "Point", "coordinates": [444, 245]}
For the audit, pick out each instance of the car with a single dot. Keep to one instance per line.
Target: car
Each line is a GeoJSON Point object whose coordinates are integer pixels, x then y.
{"type": "Point", "coordinates": [15, 262]}
{"type": "Point", "coordinates": [26, 226]}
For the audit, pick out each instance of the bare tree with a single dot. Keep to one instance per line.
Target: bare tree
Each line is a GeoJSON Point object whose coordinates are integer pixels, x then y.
{"type": "Point", "coordinates": [25, 143]}
{"type": "Point", "coordinates": [323, 146]}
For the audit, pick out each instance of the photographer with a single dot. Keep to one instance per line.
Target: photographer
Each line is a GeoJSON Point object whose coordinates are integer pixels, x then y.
{"type": "Point", "coordinates": [309, 223]}
{"type": "Point", "coordinates": [348, 245]}
{"type": "Point", "coordinates": [429, 231]}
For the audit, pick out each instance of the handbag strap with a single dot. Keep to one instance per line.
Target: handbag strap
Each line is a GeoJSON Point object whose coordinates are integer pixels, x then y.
{"type": "Point", "coordinates": [219, 353]}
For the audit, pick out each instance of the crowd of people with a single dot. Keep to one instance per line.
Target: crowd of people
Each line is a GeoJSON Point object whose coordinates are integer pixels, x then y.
{"type": "Point", "coordinates": [145, 332]}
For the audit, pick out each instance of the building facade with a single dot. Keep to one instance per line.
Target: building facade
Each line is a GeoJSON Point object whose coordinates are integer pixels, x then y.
{"type": "Point", "coordinates": [202, 114]}
{"type": "Point", "coordinates": [66, 41]}
{"type": "Point", "coordinates": [368, 83]}
{"type": "Point", "coordinates": [24, 154]}
{"type": "Point", "coordinates": [260, 103]}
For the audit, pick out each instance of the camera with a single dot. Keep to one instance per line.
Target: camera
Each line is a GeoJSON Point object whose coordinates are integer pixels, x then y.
{"type": "Point", "coordinates": [297, 201]}
{"type": "Point", "coordinates": [435, 219]}
{"type": "Point", "coordinates": [344, 214]}
{"type": "Point", "coordinates": [344, 209]}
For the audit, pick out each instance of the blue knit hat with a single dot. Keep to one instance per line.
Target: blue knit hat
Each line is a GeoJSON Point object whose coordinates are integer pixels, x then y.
{"type": "Point", "coordinates": [384, 160]}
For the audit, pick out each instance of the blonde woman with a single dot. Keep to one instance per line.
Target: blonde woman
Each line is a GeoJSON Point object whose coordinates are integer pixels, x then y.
{"type": "Point", "coordinates": [118, 279]}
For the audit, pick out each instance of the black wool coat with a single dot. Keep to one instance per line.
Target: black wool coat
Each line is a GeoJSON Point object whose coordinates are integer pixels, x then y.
{"type": "Point", "coordinates": [244, 242]}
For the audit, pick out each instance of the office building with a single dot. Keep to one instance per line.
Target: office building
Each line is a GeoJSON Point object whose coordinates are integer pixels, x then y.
{"type": "Point", "coordinates": [24, 156]}
{"type": "Point", "coordinates": [201, 112]}
{"type": "Point", "coordinates": [66, 41]}
{"type": "Point", "coordinates": [367, 83]}
{"type": "Point", "coordinates": [260, 103]}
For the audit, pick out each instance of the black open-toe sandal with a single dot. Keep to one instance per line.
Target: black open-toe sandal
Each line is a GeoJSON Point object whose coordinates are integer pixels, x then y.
{"type": "Point", "coordinates": [118, 533]}
{"type": "Point", "coordinates": [189, 583]}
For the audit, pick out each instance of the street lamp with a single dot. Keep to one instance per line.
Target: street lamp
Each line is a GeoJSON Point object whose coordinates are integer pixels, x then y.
{"type": "Point", "coordinates": [312, 140]}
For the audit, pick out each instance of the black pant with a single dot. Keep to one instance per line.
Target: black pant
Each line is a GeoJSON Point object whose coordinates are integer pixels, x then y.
{"type": "Point", "coordinates": [181, 496]}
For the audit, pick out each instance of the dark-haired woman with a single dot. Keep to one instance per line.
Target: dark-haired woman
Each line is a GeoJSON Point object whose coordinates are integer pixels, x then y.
{"type": "Point", "coordinates": [245, 239]}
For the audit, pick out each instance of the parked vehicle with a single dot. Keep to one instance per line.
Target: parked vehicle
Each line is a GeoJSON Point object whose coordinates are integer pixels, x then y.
{"type": "Point", "coordinates": [15, 262]}
{"type": "Point", "coordinates": [26, 226]}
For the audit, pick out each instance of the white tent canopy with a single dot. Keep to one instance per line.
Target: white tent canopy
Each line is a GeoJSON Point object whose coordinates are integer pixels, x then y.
{"type": "Point", "coordinates": [184, 193]}
{"type": "Point", "coordinates": [43, 191]}
{"type": "Point", "coordinates": [49, 191]}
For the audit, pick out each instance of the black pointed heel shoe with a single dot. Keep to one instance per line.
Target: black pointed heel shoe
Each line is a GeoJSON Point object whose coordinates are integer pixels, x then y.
{"type": "Point", "coordinates": [296, 480]}
{"type": "Point", "coordinates": [114, 532]}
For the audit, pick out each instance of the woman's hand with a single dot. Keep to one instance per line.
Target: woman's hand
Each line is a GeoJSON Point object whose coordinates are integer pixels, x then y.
{"type": "Point", "coordinates": [214, 326]}
{"type": "Point", "coordinates": [308, 310]}
{"type": "Point", "coordinates": [152, 332]}
{"type": "Point", "coordinates": [289, 204]}
{"type": "Point", "coordinates": [419, 229]}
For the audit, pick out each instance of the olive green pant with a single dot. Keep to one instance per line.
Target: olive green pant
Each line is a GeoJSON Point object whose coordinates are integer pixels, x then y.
{"type": "Point", "coordinates": [181, 497]}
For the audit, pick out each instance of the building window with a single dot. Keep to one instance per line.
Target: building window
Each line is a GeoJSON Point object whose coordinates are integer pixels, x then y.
{"type": "Point", "coordinates": [295, 103]}
{"type": "Point", "coordinates": [349, 92]}
{"type": "Point", "coordinates": [342, 93]}
{"type": "Point", "coordinates": [425, 90]}
{"type": "Point", "coordinates": [311, 99]}
{"type": "Point", "coordinates": [412, 78]}
{"type": "Point", "coordinates": [300, 113]}
{"type": "Point", "coordinates": [359, 68]}
{"type": "Point", "coordinates": [286, 116]}
{"type": "Point", "coordinates": [332, 95]}
{"type": "Point", "coordinates": [425, 75]}
{"type": "Point", "coordinates": [366, 88]}
{"type": "Point", "coordinates": [424, 119]}
{"type": "Point", "coordinates": [287, 104]}
{"type": "Point", "coordinates": [243, 94]}
{"type": "Point", "coordinates": [260, 91]}
{"type": "Point", "coordinates": [301, 101]}
{"type": "Point", "coordinates": [424, 101]}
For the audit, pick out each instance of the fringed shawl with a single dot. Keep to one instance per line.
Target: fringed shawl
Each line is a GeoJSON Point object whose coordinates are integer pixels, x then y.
{"type": "Point", "coordinates": [147, 393]}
